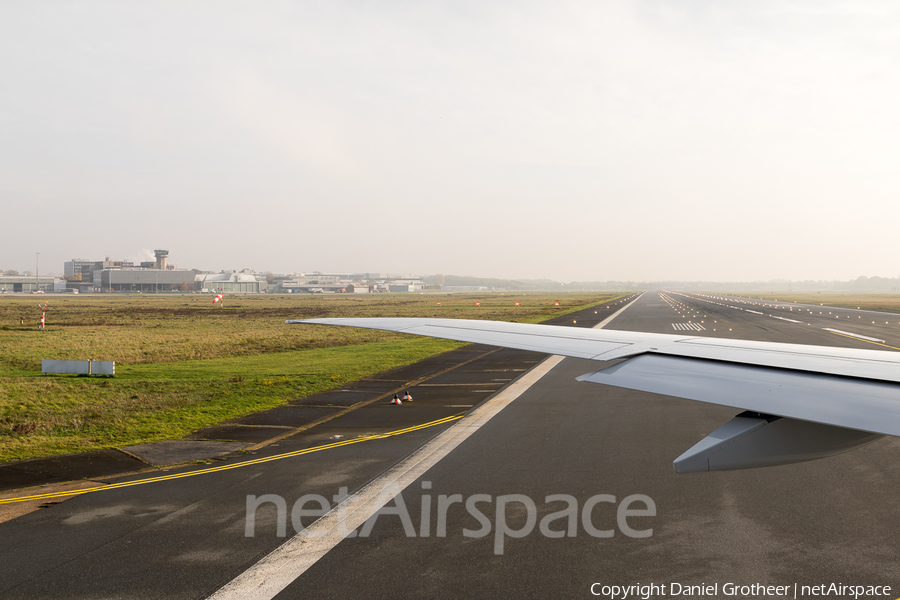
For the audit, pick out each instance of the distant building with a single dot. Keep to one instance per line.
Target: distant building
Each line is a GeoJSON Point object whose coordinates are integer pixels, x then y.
{"type": "Point", "coordinates": [406, 285]}
{"type": "Point", "coordinates": [84, 275]}
{"type": "Point", "coordinates": [79, 266]}
{"type": "Point", "coordinates": [398, 287]}
{"type": "Point", "coordinates": [82, 270]}
{"type": "Point", "coordinates": [232, 282]}
{"type": "Point", "coordinates": [311, 287]}
{"type": "Point", "coordinates": [29, 283]}
{"type": "Point", "coordinates": [145, 280]}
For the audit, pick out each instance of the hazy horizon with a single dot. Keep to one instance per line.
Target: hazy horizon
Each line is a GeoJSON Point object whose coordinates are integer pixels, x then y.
{"type": "Point", "coordinates": [577, 141]}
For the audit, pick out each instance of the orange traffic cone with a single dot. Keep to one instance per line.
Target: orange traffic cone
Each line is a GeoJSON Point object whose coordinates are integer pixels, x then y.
{"type": "Point", "coordinates": [407, 397]}
{"type": "Point", "coordinates": [396, 400]}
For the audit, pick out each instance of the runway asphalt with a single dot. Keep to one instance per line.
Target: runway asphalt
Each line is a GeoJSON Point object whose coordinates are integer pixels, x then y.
{"type": "Point", "coordinates": [562, 444]}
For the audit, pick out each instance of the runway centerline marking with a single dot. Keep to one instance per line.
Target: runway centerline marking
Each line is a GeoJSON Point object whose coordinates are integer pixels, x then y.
{"type": "Point", "coordinates": [786, 319]}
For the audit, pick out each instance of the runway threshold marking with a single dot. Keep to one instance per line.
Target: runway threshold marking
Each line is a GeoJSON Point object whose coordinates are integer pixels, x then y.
{"type": "Point", "coordinates": [277, 570]}
{"type": "Point", "coordinates": [247, 463]}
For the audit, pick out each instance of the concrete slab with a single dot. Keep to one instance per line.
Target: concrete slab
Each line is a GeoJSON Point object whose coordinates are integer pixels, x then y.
{"type": "Point", "coordinates": [181, 451]}
{"type": "Point", "coordinates": [12, 478]}
{"type": "Point", "coordinates": [287, 416]}
{"type": "Point", "coordinates": [433, 365]}
{"type": "Point", "coordinates": [348, 396]}
{"type": "Point", "coordinates": [67, 467]}
{"type": "Point", "coordinates": [388, 417]}
{"type": "Point", "coordinates": [237, 433]}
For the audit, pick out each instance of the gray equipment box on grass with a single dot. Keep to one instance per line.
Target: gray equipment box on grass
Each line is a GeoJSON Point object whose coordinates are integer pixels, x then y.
{"type": "Point", "coordinates": [79, 367]}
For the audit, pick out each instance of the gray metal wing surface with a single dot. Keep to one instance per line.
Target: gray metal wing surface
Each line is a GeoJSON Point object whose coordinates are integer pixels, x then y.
{"type": "Point", "coordinates": [829, 400]}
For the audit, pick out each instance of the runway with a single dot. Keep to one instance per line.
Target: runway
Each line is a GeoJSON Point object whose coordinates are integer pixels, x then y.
{"type": "Point", "coordinates": [562, 446]}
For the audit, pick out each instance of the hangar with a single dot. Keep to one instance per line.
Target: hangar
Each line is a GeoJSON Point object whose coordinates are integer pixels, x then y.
{"type": "Point", "coordinates": [232, 282]}
{"type": "Point", "coordinates": [23, 283]}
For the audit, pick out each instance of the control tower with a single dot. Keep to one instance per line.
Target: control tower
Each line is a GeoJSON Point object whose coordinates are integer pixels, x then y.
{"type": "Point", "coordinates": [161, 258]}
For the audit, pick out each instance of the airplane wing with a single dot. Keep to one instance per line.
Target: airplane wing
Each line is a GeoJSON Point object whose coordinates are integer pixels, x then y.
{"type": "Point", "coordinates": [800, 402]}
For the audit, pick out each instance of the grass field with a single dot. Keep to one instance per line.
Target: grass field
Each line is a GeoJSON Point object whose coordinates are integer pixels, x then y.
{"type": "Point", "coordinates": [183, 363]}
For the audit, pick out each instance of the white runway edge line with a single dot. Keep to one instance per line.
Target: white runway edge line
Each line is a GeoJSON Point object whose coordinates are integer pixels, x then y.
{"type": "Point", "coordinates": [268, 577]}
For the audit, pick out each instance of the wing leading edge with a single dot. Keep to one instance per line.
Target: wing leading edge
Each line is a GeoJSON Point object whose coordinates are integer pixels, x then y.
{"type": "Point", "coordinates": [802, 402]}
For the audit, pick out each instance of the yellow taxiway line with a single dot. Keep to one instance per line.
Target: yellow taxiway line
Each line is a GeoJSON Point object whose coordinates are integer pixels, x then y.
{"type": "Point", "coordinates": [247, 463]}
{"type": "Point", "coordinates": [859, 339]}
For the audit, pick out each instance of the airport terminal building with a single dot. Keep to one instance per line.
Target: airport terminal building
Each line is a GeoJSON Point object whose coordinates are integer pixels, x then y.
{"type": "Point", "coordinates": [145, 280]}
{"type": "Point", "coordinates": [84, 275]}
{"type": "Point", "coordinates": [157, 280]}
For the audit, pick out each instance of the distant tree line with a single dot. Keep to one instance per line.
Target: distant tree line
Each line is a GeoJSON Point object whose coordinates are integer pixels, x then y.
{"type": "Point", "coordinates": [860, 284]}
{"type": "Point", "coordinates": [467, 280]}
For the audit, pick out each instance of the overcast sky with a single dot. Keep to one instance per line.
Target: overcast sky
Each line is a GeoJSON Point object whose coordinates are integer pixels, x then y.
{"type": "Point", "coordinates": [715, 140]}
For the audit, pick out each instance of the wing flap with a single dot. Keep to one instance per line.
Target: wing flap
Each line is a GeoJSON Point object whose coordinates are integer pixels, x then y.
{"type": "Point", "coordinates": [868, 364]}
{"type": "Point", "coordinates": [861, 404]}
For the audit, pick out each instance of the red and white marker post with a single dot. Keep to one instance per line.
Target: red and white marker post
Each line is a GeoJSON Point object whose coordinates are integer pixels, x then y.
{"type": "Point", "coordinates": [43, 314]}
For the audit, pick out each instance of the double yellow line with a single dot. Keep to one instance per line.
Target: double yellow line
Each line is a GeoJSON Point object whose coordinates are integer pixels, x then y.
{"type": "Point", "coordinates": [859, 339]}
{"type": "Point", "coordinates": [256, 461]}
